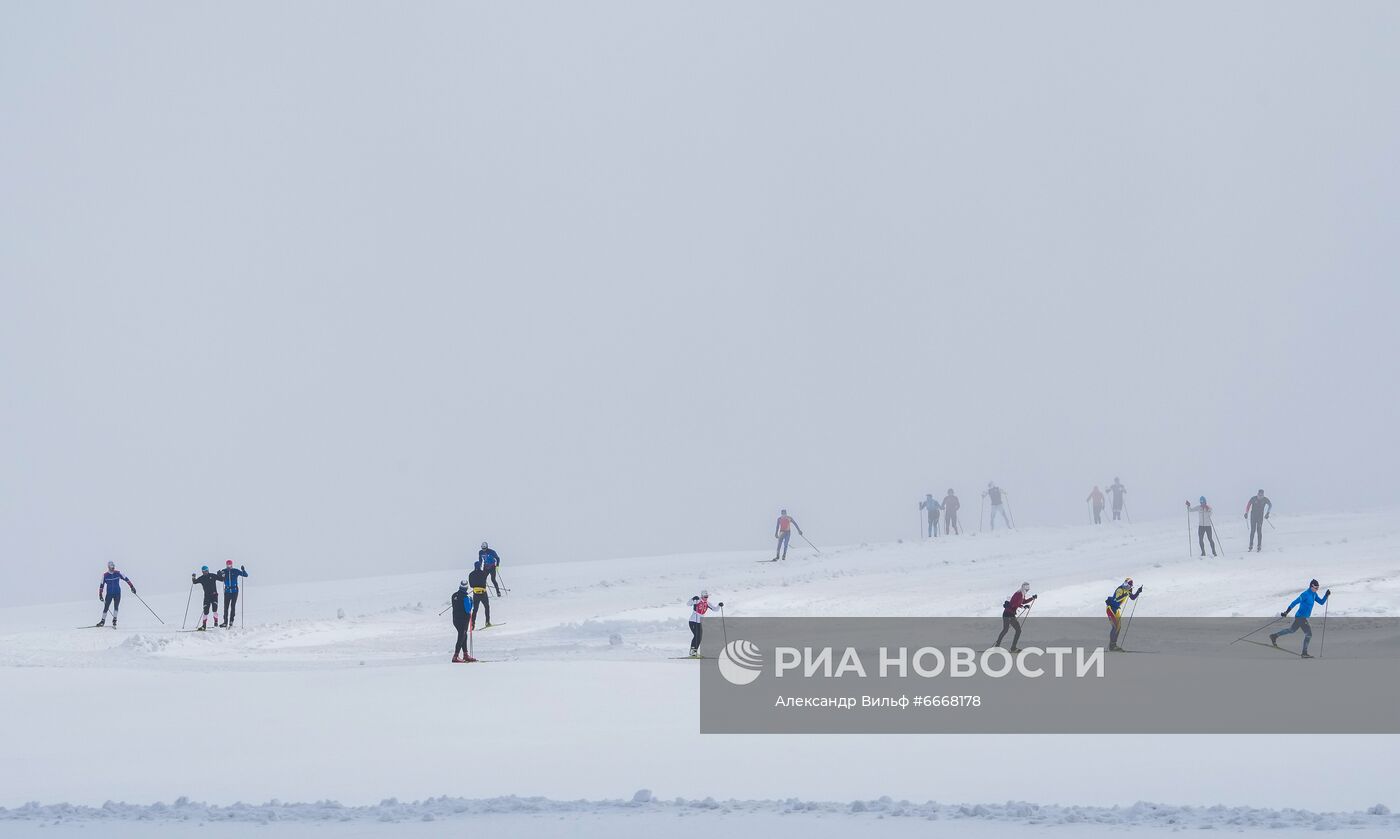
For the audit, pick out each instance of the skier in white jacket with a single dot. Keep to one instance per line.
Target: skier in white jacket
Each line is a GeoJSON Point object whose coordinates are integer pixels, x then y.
{"type": "Point", "coordinates": [1206, 528]}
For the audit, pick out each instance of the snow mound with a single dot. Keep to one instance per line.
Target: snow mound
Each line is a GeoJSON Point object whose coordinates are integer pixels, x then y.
{"type": "Point", "coordinates": [1141, 814]}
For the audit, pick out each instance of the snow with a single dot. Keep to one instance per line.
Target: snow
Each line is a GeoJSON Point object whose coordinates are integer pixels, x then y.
{"type": "Point", "coordinates": [578, 700]}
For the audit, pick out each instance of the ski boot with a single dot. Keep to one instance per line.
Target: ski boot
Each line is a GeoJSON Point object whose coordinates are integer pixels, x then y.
{"type": "Point", "coordinates": [1305, 654]}
{"type": "Point", "coordinates": [694, 653]}
{"type": "Point", "coordinates": [102, 622]}
{"type": "Point", "coordinates": [201, 628]}
{"type": "Point", "coordinates": [1015, 650]}
{"type": "Point", "coordinates": [456, 659]}
{"type": "Point", "coordinates": [1114, 648]}
{"type": "Point", "coordinates": [114, 621]}
{"type": "Point", "coordinates": [1273, 639]}
{"type": "Point", "coordinates": [487, 626]}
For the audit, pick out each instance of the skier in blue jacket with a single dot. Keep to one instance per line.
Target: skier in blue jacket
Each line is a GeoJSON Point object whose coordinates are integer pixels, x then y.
{"type": "Point", "coordinates": [489, 560]}
{"type": "Point", "coordinates": [110, 592]}
{"type": "Point", "coordinates": [230, 576]}
{"type": "Point", "coordinates": [1305, 603]}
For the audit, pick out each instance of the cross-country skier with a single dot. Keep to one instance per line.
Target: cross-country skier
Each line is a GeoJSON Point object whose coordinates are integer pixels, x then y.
{"type": "Point", "coordinates": [1115, 602]}
{"type": "Point", "coordinates": [109, 591]}
{"type": "Point", "coordinates": [490, 560]}
{"type": "Point", "coordinates": [1009, 608]}
{"type": "Point", "coordinates": [229, 575]}
{"type": "Point", "coordinates": [1305, 603]}
{"type": "Point", "coordinates": [931, 504]}
{"type": "Point", "coordinates": [480, 599]}
{"type": "Point", "coordinates": [783, 533]}
{"type": "Point", "coordinates": [951, 505]}
{"type": "Point", "coordinates": [1206, 528]}
{"type": "Point", "coordinates": [1256, 509]}
{"type": "Point", "coordinates": [994, 494]}
{"type": "Point", "coordinates": [210, 582]}
{"type": "Point", "coordinates": [1116, 492]}
{"type": "Point", "coordinates": [1097, 498]}
{"type": "Point", "coordinates": [699, 606]}
{"type": "Point", "coordinates": [461, 606]}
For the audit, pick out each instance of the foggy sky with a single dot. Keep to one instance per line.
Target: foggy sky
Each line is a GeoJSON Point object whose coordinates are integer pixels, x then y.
{"type": "Point", "coordinates": [337, 289]}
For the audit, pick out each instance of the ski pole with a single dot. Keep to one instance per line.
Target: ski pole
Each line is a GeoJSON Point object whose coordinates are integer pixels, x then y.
{"type": "Point", "coordinates": [1130, 519]}
{"type": "Point", "coordinates": [980, 508]}
{"type": "Point", "coordinates": [1089, 514]}
{"type": "Point", "coordinates": [808, 541]}
{"type": "Point", "coordinates": [1271, 527]}
{"type": "Point", "coordinates": [1011, 517]}
{"type": "Point", "coordinates": [148, 608]}
{"type": "Point", "coordinates": [1124, 636]}
{"type": "Point", "coordinates": [1262, 628]}
{"type": "Point", "coordinates": [444, 611]}
{"type": "Point", "coordinates": [1189, 552]}
{"type": "Point", "coordinates": [1025, 617]}
{"type": "Point", "coordinates": [1322, 642]}
{"type": "Point", "coordinates": [242, 613]}
{"type": "Point", "coordinates": [725, 631]}
{"type": "Point", "coordinates": [187, 607]}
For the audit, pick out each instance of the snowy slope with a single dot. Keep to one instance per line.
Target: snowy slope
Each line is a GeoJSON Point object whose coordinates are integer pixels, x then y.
{"type": "Point", "coordinates": [578, 697]}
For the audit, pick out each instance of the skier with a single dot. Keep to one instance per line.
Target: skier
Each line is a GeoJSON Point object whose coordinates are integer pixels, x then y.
{"type": "Point", "coordinates": [109, 591]}
{"type": "Point", "coordinates": [951, 505]}
{"type": "Point", "coordinates": [462, 621]}
{"type": "Point", "coordinates": [1017, 601]}
{"type": "Point", "coordinates": [699, 605]}
{"type": "Point", "coordinates": [229, 575]}
{"type": "Point", "coordinates": [1115, 602]}
{"type": "Point", "coordinates": [1256, 509]}
{"type": "Point", "coordinates": [1305, 603]}
{"type": "Point", "coordinates": [480, 599]}
{"type": "Point", "coordinates": [490, 560]}
{"type": "Point", "coordinates": [994, 494]}
{"type": "Point", "coordinates": [1116, 491]}
{"type": "Point", "coordinates": [783, 533]}
{"type": "Point", "coordinates": [931, 504]}
{"type": "Point", "coordinates": [1206, 528]}
{"type": "Point", "coordinates": [210, 582]}
{"type": "Point", "coordinates": [1097, 497]}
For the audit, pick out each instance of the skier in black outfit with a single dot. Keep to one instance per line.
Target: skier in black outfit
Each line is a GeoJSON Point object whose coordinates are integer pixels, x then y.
{"type": "Point", "coordinates": [210, 581]}
{"type": "Point", "coordinates": [461, 599]}
{"type": "Point", "coordinates": [480, 599]}
{"type": "Point", "coordinates": [1256, 510]}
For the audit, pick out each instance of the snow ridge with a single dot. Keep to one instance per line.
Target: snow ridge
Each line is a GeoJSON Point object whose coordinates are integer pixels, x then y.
{"type": "Point", "coordinates": [1141, 814]}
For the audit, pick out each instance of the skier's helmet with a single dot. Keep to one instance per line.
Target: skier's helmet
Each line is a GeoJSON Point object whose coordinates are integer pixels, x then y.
{"type": "Point", "coordinates": [204, 567]}
{"type": "Point", "coordinates": [991, 483]}
{"type": "Point", "coordinates": [229, 563]}
{"type": "Point", "coordinates": [1203, 499]}
{"type": "Point", "coordinates": [477, 565]}
{"type": "Point", "coordinates": [1025, 587]}
{"type": "Point", "coordinates": [1261, 492]}
{"type": "Point", "coordinates": [484, 546]}
{"type": "Point", "coordinates": [704, 593]}
{"type": "Point", "coordinates": [463, 584]}
{"type": "Point", "coordinates": [950, 490]}
{"type": "Point", "coordinates": [111, 566]}
{"type": "Point", "coordinates": [1128, 581]}
{"type": "Point", "coordinates": [1314, 584]}
{"type": "Point", "coordinates": [784, 511]}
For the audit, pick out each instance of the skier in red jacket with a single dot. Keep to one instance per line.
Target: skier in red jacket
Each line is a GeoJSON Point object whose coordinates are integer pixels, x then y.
{"type": "Point", "coordinates": [1021, 599]}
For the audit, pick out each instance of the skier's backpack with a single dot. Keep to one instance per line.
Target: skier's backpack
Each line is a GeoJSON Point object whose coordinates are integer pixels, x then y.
{"type": "Point", "coordinates": [1006, 604]}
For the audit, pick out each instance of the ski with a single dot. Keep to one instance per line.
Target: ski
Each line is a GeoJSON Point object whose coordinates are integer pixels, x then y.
{"type": "Point", "coordinates": [1272, 647]}
{"type": "Point", "coordinates": [490, 626]}
{"type": "Point", "coordinates": [689, 657]}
